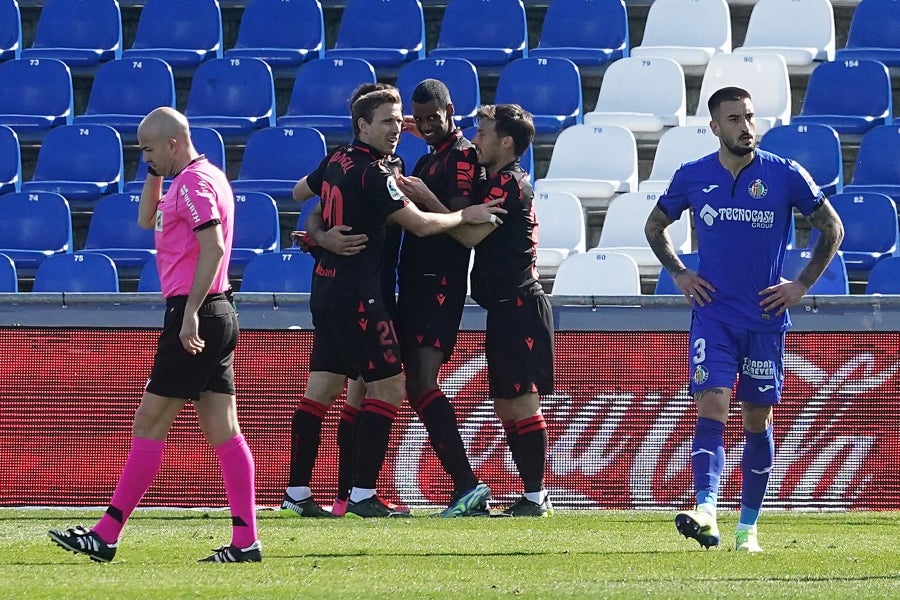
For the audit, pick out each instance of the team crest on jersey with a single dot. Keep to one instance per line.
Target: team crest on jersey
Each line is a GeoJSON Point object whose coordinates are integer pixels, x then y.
{"type": "Point", "coordinates": [700, 375]}
{"type": "Point", "coordinates": [758, 189]}
{"type": "Point", "coordinates": [392, 188]}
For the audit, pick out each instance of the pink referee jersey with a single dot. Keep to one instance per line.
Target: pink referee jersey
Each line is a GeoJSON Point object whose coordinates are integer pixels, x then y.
{"type": "Point", "coordinates": [199, 194]}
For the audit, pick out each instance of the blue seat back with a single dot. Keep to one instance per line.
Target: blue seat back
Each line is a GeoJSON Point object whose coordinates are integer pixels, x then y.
{"type": "Point", "coordinates": [131, 87]}
{"type": "Point", "coordinates": [666, 285]}
{"type": "Point", "coordinates": [85, 25]}
{"type": "Point", "coordinates": [291, 24]}
{"type": "Point", "coordinates": [834, 280]}
{"type": "Point", "coordinates": [241, 87]}
{"type": "Point", "coordinates": [849, 87]}
{"type": "Point", "coordinates": [386, 24]}
{"type": "Point", "coordinates": [497, 24]}
{"type": "Point", "coordinates": [80, 153]}
{"type": "Point", "coordinates": [76, 273]}
{"type": "Point", "coordinates": [10, 161]}
{"type": "Point", "coordinates": [815, 146]}
{"type": "Point", "coordinates": [305, 211]}
{"type": "Point", "coordinates": [545, 87]}
{"type": "Point", "coordinates": [10, 30]}
{"type": "Point", "coordinates": [114, 224]}
{"type": "Point", "coordinates": [37, 87]}
{"type": "Point", "coordinates": [877, 161]}
{"type": "Point", "coordinates": [586, 24]}
{"type": "Point", "coordinates": [180, 24]}
{"type": "Point", "coordinates": [285, 153]}
{"type": "Point", "coordinates": [870, 222]}
{"type": "Point", "coordinates": [410, 149]}
{"type": "Point", "coordinates": [278, 272]}
{"type": "Point", "coordinates": [35, 221]}
{"type": "Point", "coordinates": [884, 278]}
{"type": "Point", "coordinates": [458, 74]}
{"type": "Point", "coordinates": [149, 278]}
{"type": "Point", "coordinates": [324, 86]}
{"type": "Point", "coordinates": [9, 280]}
{"type": "Point", "coordinates": [256, 223]}
{"type": "Point", "coordinates": [875, 24]}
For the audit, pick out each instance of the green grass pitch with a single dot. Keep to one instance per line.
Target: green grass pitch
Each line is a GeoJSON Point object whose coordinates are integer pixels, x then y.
{"type": "Point", "coordinates": [575, 554]}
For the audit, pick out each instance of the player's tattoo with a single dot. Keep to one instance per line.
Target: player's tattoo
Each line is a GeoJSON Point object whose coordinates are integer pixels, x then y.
{"type": "Point", "coordinates": [831, 230]}
{"type": "Point", "coordinates": [660, 242]}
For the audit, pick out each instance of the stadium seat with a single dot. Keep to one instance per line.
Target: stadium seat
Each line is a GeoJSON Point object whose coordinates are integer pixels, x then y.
{"type": "Point", "coordinates": [548, 88]}
{"type": "Point", "coordinates": [623, 229]}
{"type": "Point", "coordinates": [598, 274]}
{"type": "Point", "coordinates": [9, 280]}
{"type": "Point", "coordinates": [36, 95]}
{"type": "Point", "coordinates": [276, 158]}
{"type": "Point", "coordinates": [124, 91]}
{"type": "Point", "coordinates": [284, 33]}
{"type": "Point", "coordinates": [10, 161]}
{"type": "Point", "coordinates": [801, 31]}
{"type": "Point", "coordinates": [561, 229]}
{"type": "Point", "coordinates": [10, 30]}
{"type": "Point", "coordinates": [184, 33]}
{"type": "Point", "coordinates": [852, 96]}
{"type": "Point", "coordinates": [256, 229]}
{"type": "Point", "coordinates": [765, 76]}
{"type": "Point", "coordinates": [590, 33]}
{"type": "Point", "coordinates": [411, 148]}
{"type": "Point", "coordinates": [305, 210]}
{"type": "Point", "coordinates": [874, 33]}
{"type": "Point", "coordinates": [82, 34]}
{"type": "Point", "coordinates": [34, 226]}
{"type": "Point", "coordinates": [641, 94]}
{"type": "Point", "coordinates": [321, 94]}
{"type": "Point", "coordinates": [877, 168]}
{"type": "Point", "coordinates": [207, 142]}
{"type": "Point", "coordinates": [833, 281]}
{"type": "Point", "coordinates": [81, 162]}
{"type": "Point", "coordinates": [665, 285]}
{"type": "Point", "coordinates": [815, 146]}
{"type": "Point", "coordinates": [593, 163]}
{"type": "Point", "coordinates": [501, 34]}
{"type": "Point", "coordinates": [884, 278]}
{"type": "Point", "coordinates": [384, 33]}
{"type": "Point", "coordinates": [689, 33]}
{"type": "Point", "coordinates": [76, 273]}
{"type": "Point", "coordinates": [234, 96]}
{"type": "Point", "coordinates": [149, 279]}
{"type": "Point", "coordinates": [278, 272]}
{"type": "Point", "coordinates": [114, 232]}
{"type": "Point", "coordinates": [870, 230]}
{"type": "Point", "coordinates": [460, 77]}
{"type": "Point", "coordinates": [676, 147]}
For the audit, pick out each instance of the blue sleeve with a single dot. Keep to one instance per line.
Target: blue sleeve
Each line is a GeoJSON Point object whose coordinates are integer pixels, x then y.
{"type": "Point", "coordinates": [674, 200]}
{"type": "Point", "coordinates": [804, 193]}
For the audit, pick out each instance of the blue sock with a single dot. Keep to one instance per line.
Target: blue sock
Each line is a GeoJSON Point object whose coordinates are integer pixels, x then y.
{"type": "Point", "coordinates": [756, 463]}
{"type": "Point", "coordinates": [708, 459]}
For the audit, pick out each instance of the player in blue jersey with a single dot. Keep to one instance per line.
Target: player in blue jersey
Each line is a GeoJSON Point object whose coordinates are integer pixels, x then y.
{"type": "Point", "coordinates": [742, 200]}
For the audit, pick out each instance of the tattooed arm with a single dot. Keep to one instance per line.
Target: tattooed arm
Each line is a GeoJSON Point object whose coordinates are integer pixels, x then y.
{"type": "Point", "coordinates": [695, 288]}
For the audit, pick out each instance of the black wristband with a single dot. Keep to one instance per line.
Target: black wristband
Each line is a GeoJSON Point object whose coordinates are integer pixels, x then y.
{"type": "Point", "coordinates": [152, 171]}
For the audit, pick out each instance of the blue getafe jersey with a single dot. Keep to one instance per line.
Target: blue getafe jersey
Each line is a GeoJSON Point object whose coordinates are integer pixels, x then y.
{"type": "Point", "coordinates": [743, 226]}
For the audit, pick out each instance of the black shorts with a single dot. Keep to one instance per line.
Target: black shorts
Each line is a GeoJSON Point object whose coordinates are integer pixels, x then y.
{"type": "Point", "coordinates": [429, 309]}
{"type": "Point", "coordinates": [518, 345]}
{"type": "Point", "coordinates": [176, 372]}
{"type": "Point", "coordinates": [355, 344]}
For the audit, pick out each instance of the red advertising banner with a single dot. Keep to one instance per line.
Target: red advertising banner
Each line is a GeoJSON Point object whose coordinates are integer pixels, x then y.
{"type": "Point", "coordinates": [619, 423]}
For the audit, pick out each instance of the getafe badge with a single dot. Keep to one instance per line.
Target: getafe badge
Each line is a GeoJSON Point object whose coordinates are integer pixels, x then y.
{"type": "Point", "coordinates": [758, 189]}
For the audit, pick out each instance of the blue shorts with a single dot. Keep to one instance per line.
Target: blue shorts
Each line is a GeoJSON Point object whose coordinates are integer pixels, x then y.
{"type": "Point", "coordinates": [719, 353]}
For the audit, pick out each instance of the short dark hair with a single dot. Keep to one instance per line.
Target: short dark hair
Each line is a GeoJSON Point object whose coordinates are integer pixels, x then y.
{"type": "Point", "coordinates": [366, 105]}
{"type": "Point", "coordinates": [726, 94]}
{"type": "Point", "coordinates": [431, 90]}
{"type": "Point", "coordinates": [511, 120]}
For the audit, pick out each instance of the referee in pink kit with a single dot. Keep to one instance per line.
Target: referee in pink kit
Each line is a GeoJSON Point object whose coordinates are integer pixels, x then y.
{"type": "Point", "coordinates": [193, 223]}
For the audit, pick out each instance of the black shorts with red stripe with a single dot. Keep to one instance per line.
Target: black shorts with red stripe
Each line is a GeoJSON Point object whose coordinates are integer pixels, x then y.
{"type": "Point", "coordinates": [519, 346]}
{"type": "Point", "coordinates": [355, 343]}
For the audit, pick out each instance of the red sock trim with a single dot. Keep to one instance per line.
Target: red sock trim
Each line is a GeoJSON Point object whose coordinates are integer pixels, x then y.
{"type": "Point", "coordinates": [314, 408]}
{"type": "Point", "coordinates": [422, 402]}
{"type": "Point", "coordinates": [510, 426]}
{"type": "Point", "coordinates": [380, 407]}
{"type": "Point", "coordinates": [535, 423]}
{"type": "Point", "coordinates": [348, 413]}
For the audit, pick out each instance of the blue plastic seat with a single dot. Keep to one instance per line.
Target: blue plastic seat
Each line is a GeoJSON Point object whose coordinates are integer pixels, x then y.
{"type": "Point", "coordinates": [411, 148]}
{"type": "Point", "coordinates": [34, 226]}
{"type": "Point", "coordinates": [276, 158]}
{"type": "Point", "coordinates": [590, 33]}
{"type": "Point", "coordinates": [884, 278]}
{"type": "Point", "coordinates": [870, 230]}
{"type": "Point", "coordinates": [234, 96]}
{"type": "Point", "coordinates": [81, 162]}
{"type": "Point", "coordinates": [77, 273]}
{"type": "Point", "coordinates": [207, 142]}
{"type": "Point", "coordinates": [834, 280]}
{"type": "Point", "coordinates": [9, 279]}
{"type": "Point", "coordinates": [114, 231]}
{"type": "Point", "coordinates": [257, 229]}
{"type": "Point", "coordinates": [852, 96]}
{"type": "Point", "coordinates": [284, 33]}
{"type": "Point", "coordinates": [384, 33]}
{"type": "Point", "coordinates": [278, 272]}
{"type": "Point", "coordinates": [35, 96]}
{"type": "Point", "coordinates": [124, 91]}
{"type": "Point", "coordinates": [321, 94]}
{"type": "Point", "coordinates": [82, 34]}
{"type": "Point", "coordinates": [460, 77]}
{"type": "Point", "coordinates": [149, 279]}
{"type": "Point", "coordinates": [815, 146]}
{"type": "Point", "coordinates": [874, 33]}
{"type": "Point", "coordinates": [10, 161]}
{"type": "Point", "coordinates": [184, 33]}
{"type": "Point", "coordinates": [10, 30]}
{"type": "Point", "coordinates": [877, 168]}
{"type": "Point", "coordinates": [487, 33]}
{"type": "Point", "coordinates": [305, 210]}
{"type": "Point", "coordinates": [665, 285]}
{"type": "Point", "coordinates": [548, 88]}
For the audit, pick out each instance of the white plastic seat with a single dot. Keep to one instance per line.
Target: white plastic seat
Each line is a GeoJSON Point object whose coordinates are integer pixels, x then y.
{"type": "Point", "coordinates": [799, 30]}
{"type": "Point", "coordinates": [598, 274]}
{"type": "Point", "coordinates": [592, 162]}
{"type": "Point", "coordinates": [641, 94]}
{"type": "Point", "coordinates": [676, 147]}
{"type": "Point", "coordinates": [561, 231]}
{"type": "Point", "coordinates": [765, 76]}
{"type": "Point", "coordinates": [623, 229]}
{"type": "Point", "coordinates": [689, 33]}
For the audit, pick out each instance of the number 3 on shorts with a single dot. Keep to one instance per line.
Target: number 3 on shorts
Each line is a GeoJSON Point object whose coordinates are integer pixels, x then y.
{"type": "Point", "coordinates": [699, 351]}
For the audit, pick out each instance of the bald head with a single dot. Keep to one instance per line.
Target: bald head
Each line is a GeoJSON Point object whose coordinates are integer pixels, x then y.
{"type": "Point", "coordinates": [165, 139]}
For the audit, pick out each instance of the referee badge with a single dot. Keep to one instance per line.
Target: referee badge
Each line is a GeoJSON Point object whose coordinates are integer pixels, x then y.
{"type": "Point", "coordinates": [758, 189]}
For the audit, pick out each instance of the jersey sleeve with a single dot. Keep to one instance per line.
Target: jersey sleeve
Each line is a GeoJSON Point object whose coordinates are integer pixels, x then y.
{"type": "Point", "coordinates": [464, 166]}
{"type": "Point", "coordinates": [381, 184]}
{"type": "Point", "coordinates": [674, 200]}
{"type": "Point", "coordinates": [197, 201]}
{"type": "Point", "coordinates": [804, 192]}
{"type": "Point", "coordinates": [314, 180]}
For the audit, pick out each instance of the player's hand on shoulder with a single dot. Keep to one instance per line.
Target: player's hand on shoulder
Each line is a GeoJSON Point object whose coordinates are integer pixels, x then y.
{"type": "Point", "coordinates": [484, 213]}
{"type": "Point", "coordinates": [416, 190]}
{"type": "Point", "coordinates": [695, 288]}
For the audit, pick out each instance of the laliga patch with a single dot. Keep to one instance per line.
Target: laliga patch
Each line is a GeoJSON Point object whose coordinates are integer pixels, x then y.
{"type": "Point", "coordinates": [159, 221]}
{"type": "Point", "coordinates": [700, 375]}
{"type": "Point", "coordinates": [392, 188]}
{"type": "Point", "coordinates": [758, 189]}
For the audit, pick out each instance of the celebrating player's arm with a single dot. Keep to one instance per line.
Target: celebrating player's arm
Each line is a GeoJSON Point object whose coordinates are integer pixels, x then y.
{"type": "Point", "coordinates": [337, 240]}
{"type": "Point", "coordinates": [430, 223]}
{"type": "Point", "coordinates": [695, 288]}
